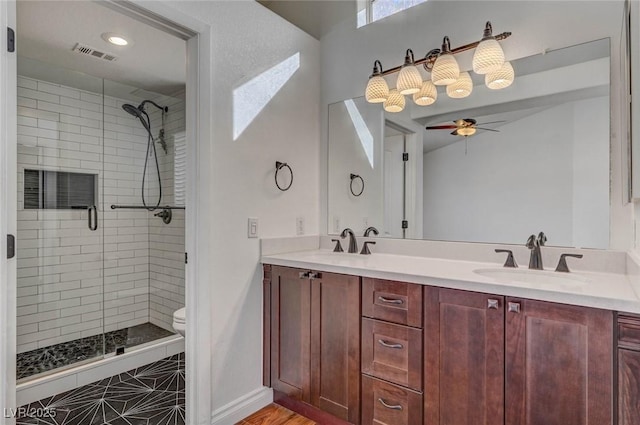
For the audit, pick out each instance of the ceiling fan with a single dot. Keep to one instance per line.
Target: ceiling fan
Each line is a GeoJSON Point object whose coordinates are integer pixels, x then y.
{"type": "Point", "coordinates": [463, 127]}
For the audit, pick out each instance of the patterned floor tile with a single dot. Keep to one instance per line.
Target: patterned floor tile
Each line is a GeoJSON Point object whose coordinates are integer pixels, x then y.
{"type": "Point", "coordinates": [150, 395]}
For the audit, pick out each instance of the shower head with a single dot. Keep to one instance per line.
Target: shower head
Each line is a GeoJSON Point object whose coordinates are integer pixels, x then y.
{"type": "Point", "coordinates": [132, 110]}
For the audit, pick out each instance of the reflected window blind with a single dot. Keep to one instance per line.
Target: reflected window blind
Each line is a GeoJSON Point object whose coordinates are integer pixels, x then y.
{"type": "Point", "coordinates": [180, 168]}
{"type": "Point", "coordinates": [59, 190]}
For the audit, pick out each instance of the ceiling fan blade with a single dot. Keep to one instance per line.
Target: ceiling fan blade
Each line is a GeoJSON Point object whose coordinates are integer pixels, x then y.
{"type": "Point", "coordinates": [491, 122]}
{"type": "Point", "coordinates": [488, 129]}
{"type": "Point", "coordinates": [441, 127]}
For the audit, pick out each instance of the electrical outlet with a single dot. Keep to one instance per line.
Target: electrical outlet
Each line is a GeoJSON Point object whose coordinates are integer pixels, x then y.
{"type": "Point", "coordinates": [300, 226]}
{"type": "Point", "coordinates": [252, 227]}
{"type": "Point", "coordinates": [336, 224]}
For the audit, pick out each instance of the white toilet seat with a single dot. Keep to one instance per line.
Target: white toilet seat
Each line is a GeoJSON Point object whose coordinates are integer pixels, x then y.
{"type": "Point", "coordinates": [179, 321]}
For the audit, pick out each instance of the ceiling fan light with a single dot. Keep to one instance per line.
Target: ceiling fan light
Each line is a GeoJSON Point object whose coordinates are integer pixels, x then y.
{"type": "Point", "coordinates": [501, 78]}
{"type": "Point", "coordinates": [445, 70]}
{"type": "Point", "coordinates": [409, 80]}
{"type": "Point", "coordinates": [427, 95]}
{"type": "Point", "coordinates": [488, 56]}
{"type": "Point", "coordinates": [395, 102]}
{"type": "Point", "coordinates": [377, 90]}
{"type": "Point", "coordinates": [462, 87]}
{"type": "Point", "coordinates": [466, 131]}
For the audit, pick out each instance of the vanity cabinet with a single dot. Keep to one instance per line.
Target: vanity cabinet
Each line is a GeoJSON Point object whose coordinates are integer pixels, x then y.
{"type": "Point", "coordinates": [628, 369]}
{"type": "Point", "coordinates": [315, 339]}
{"type": "Point", "coordinates": [530, 362]}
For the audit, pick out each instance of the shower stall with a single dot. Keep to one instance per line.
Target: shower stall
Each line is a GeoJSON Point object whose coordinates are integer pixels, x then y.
{"type": "Point", "coordinates": [101, 198]}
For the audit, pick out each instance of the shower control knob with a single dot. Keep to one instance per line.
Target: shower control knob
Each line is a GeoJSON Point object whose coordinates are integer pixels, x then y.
{"type": "Point", "coordinates": [165, 215]}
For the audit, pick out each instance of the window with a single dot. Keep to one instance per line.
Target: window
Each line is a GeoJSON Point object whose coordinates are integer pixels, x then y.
{"type": "Point", "coordinates": [180, 168]}
{"type": "Point", "coordinates": [374, 10]}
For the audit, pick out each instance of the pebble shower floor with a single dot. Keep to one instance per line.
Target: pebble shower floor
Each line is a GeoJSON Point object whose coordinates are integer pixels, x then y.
{"type": "Point", "coordinates": [153, 394]}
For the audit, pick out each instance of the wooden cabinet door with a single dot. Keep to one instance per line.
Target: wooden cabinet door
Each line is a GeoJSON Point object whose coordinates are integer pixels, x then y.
{"type": "Point", "coordinates": [335, 345]}
{"type": "Point", "coordinates": [629, 387]}
{"type": "Point", "coordinates": [559, 362]}
{"type": "Point", "coordinates": [464, 358]}
{"type": "Point", "coordinates": [290, 332]}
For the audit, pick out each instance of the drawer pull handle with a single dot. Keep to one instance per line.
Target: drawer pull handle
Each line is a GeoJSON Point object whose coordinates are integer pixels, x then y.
{"type": "Point", "coordinates": [514, 307]}
{"type": "Point", "coordinates": [390, 300]}
{"type": "Point", "coordinates": [493, 304]}
{"type": "Point", "coordinates": [388, 345]}
{"type": "Point", "coordinates": [390, 406]}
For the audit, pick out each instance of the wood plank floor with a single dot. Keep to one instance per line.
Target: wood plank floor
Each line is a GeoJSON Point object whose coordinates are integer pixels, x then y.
{"type": "Point", "coordinates": [274, 414]}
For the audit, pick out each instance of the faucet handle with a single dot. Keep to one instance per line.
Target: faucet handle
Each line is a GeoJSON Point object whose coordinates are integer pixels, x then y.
{"type": "Point", "coordinates": [338, 247]}
{"type": "Point", "coordinates": [511, 262]}
{"type": "Point", "coordinates": [562, 264]}
{"type": "Point", "coordinates": [365, 247]}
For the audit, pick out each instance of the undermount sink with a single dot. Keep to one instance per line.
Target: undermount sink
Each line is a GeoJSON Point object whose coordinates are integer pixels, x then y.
{"type": "Point", "coordinates": [536, 277]}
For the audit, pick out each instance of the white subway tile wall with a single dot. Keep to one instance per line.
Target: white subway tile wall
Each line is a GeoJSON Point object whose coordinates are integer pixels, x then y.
{"type": "Point", "coordinates": [61, 263]}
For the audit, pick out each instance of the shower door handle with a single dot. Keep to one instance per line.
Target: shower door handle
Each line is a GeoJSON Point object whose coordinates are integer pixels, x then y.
{"type": "Point", "coordinates": [93, 217]}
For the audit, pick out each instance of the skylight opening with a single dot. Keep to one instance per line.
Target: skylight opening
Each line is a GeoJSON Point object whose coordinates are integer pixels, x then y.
{"type": "Point", "coordinates": [250, 98]}
{"type": "Point", "coordinates": [366, 139]}
{"type": "Point", "coordinates": [374, 10]}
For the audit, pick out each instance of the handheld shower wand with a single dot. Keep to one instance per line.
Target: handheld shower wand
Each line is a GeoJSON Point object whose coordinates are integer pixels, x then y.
{"type": "Point", "coordinates": [142, 115]}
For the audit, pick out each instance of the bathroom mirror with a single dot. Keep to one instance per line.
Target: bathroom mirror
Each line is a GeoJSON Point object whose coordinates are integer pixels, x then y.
{"type": "Point", "coordinates": [545, 167]}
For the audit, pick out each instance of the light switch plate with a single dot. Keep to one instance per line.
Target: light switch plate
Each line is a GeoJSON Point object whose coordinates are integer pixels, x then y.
{"type": "Point", "coordinates": [252, 227]}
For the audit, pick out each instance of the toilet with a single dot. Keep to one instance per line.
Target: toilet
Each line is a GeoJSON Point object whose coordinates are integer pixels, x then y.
{"type": "Point", "coordinates": [179, 321]}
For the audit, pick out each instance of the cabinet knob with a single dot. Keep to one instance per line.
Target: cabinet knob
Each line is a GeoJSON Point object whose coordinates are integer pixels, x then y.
{"type": "Point", "coordinates": [493, 304]}
{"type": "Point", "coordinates": [390, 406]}
{"type": "Point", "coordinates": [303, 275]}
{"type": "Point", "coordinates": [389, 345]}
{"type": "Point", "coordinates": [390, 300]}
{"type": "Point", "coordinates": [514, 307]}
{"type": "Point", "coordinates": [315, 275]}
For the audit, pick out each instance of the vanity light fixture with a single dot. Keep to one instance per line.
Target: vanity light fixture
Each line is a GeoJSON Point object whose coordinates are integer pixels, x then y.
{"type": "Point", "coordinates": [115, 39]}
{"type": "Point", "coordinates": [377, 89]}
{"type": "Point", "coordinates": [488, 60]}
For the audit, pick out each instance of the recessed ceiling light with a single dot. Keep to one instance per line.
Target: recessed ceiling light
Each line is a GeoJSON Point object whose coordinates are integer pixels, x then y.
{"type": "Point", "coordinates": [116, 39]}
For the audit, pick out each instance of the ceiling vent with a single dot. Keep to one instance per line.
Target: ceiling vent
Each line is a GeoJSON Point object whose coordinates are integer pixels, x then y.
{"type": "Point", "coordinates": [90, 51]}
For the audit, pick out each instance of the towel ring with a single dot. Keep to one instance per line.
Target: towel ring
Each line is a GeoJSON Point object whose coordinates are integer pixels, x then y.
{"type": "Point", "coordinates": [354, 177]}
{"type": "Point", "coordinates": [279, 166]}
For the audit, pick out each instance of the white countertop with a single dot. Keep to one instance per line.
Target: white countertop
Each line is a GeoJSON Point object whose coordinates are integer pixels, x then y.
{"type": "Point", "coordinates": [610, 291]}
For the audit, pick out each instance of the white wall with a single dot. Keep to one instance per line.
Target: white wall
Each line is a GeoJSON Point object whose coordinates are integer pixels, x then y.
{"type": "Point", "coordinates": [247, 39]}
{"type": "Point", "coordinates": [348, 54]}
{"type": "Point", "coordinates": [542, 184]}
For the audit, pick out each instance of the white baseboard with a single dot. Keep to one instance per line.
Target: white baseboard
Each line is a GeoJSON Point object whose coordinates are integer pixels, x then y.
{"type": "Point", "coordinates": [242, 407]}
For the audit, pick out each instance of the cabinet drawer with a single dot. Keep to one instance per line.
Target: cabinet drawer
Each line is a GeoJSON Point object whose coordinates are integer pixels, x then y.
{"type": "Point", "coordinates": [392, 352]}
{"type": "Point", "coordinates": [387, 404]}
{"type": "Point", "coordinates": [397, 302]}
{"type": "Point", "coordinates": [629, 332]}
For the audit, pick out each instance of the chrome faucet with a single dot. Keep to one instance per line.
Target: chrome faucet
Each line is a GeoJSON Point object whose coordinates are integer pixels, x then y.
{"type": "Point", "coordinates": [353, 244]}
{"type": "Point", "coordinates": [369, 230]}
{"type": "Point", "coordinates": [534, 244]}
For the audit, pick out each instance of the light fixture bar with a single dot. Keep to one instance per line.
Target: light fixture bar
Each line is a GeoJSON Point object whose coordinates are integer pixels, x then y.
{"type": "Point", "coordinates": [433, 54]}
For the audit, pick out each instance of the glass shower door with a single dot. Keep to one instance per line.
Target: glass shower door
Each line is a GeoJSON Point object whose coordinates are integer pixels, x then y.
{"type": "Point", "coordinates": [60, 219]}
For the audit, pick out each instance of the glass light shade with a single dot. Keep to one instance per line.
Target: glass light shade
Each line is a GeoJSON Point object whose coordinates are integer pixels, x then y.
{"type": "Point", "coordinates": [395, 102]}
{"type": "Point", "coordinates": [461, 88]}
{"type": "Point", "coordinates": [445, 70]}
{"type": "Point", "coordinates": [409, 80]}
{"type": "Point", "coordinates": [501, 78]}
{"type": "Point", "coordinates": [488, 57]}
{"type": "Point", "coordinates": [377, 90]}
{"type": "Point", "coordinates": [466, 131]}
{"type": "Point", "coordinates": [427, 95]}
